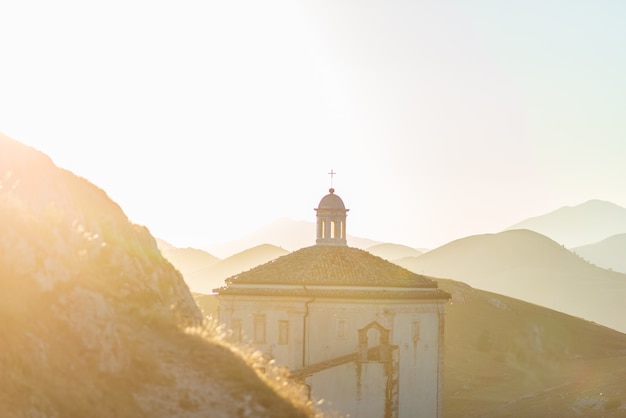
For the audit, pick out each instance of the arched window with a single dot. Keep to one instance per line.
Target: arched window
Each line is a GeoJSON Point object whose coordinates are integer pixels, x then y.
{"type": "Point", "coordinates": [374, 343]}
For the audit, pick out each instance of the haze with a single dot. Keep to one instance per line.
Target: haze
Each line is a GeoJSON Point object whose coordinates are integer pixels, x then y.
{"type": "Point", "coordinates": [205, 120]}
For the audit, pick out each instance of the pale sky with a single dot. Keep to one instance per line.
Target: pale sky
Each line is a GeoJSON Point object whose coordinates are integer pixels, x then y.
{"type": "Point", "coordinates": [207, 119]}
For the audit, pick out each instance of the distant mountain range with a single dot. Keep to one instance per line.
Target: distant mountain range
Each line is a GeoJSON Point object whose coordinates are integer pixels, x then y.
{"type": "Point", "coordinates": [204, 272]}
{"type": "Point", "coordinates": [529, 266]}
{"type": "Point", "coordinates": [579, 225]}
{"type": "Point", "coordinates": [285, 233]}
{"type": "Point", "coordinates": [609, 253]}
{"type": "Point", "coordinates": [187, 260]}
{"type": "Point", "coordinates": [517, 262]}
{"type": "Point", "coordinates": [393, 252]}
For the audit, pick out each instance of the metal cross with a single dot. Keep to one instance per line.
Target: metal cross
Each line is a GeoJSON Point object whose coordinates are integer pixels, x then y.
{"type": "Point", "coordinates": [332, 174]}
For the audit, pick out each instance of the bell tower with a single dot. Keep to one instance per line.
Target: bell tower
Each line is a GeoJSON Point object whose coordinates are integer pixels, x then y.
{"type": "Point", "coordinates": [331, 219]}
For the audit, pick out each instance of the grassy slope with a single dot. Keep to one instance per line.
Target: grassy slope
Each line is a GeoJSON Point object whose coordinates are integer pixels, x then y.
{"type": "Point", "coordinates": [506, 357]}
{"type": "Point", "coordinates": [93, 319]}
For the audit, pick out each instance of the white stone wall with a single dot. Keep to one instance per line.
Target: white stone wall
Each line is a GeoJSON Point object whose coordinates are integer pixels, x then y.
{"type": "Point", "coordinates": [419, 360]}
{"type": "Point", "coordinates": [331, 327]}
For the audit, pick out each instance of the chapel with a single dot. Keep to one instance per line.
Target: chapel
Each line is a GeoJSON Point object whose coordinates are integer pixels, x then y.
{"type": "Point", "coordinates": [363, 334]}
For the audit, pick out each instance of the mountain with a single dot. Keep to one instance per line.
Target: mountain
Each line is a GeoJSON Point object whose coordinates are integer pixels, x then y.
{"type": "Point", "coordinates": [95, 322]}
{"type": "Point", "coordinates": [506, 357]}
{"type": "Point", "coordinates": [609, 253]}
{"type": "Point", "coordinates": [189, 260]}
{"type": "Point", "coordinates": [206, 279]}
{"type": "Point", "coordinates": [392, 252]}
{"type": "Point", "coordinates": [529, 266]}
{"type": "Point", "coordinates": [285, 233]}
{"type": "Point", "coordinates": [583, 224]}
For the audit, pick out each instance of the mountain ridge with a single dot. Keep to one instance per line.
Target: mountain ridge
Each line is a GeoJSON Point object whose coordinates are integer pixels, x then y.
{"type": "Point", "coordinates": [284, 233]}
{"type": "Point", "coordinates": [205, 279]}
{"type": "Point", "coordinates": [532, 267]}
{"type": "Point", "coordinates": [610, 253]}
{"type": "Point", "coordinates": [582, 224]}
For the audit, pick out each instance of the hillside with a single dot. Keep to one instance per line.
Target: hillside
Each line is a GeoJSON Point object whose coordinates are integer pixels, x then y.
{"type": "Point", "coordinates": [609, 253]}
{"type": "Point", "coordinates": [583, 224]}
{"type": "Point", "coordinates": [392, 252]}
{"type": "Point", "coordinates": [284, 233]}
{"type": "Point", "coordinates": [505, 357]}
{"type": "Point", "coordinates": [529, 266]}
{"type": "Point", "coordinates": [94, 322]}
{"type": "Point", "coordinates": [204, 280]}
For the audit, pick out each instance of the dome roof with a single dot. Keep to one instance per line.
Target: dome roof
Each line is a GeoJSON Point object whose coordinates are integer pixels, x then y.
{"type": "Point", "coordinates": [331, 201]}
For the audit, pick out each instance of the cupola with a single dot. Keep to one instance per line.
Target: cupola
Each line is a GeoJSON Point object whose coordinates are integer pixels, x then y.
{"type": "Point", "coordinates": [331, 220]}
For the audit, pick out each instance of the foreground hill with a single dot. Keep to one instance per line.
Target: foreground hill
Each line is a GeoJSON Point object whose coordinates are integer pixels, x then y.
{"type": "Point", "coordinates": [393, 252]}
{"type": "Point", "coordinates": [93, 319]}
{"type": "Point", "coordinates": [609, 253]}
{"type": "Point", "coordinates": [529, 266]}
{"type": "Point", "coordinates": [204, 280]}
{"type": "Point", "coordinates": [284, 233]}
{"type": "Point", "coordinates": [583, 224]}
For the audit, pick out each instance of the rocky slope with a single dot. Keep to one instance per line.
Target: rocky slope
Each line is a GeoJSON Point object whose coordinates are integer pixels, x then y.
{"type": "Point", "coordinates": [95, 322]}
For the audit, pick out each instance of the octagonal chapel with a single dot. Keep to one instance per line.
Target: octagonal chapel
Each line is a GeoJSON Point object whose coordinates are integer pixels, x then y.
{"type": "Point", "coordinates": [360, 332]}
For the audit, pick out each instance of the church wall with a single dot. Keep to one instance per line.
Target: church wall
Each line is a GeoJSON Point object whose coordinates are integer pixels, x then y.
{"type": "Point", "coordinates": [332, 328]}
{"type": "Point", "coordinates": [286, 349]}
{"type": "Point", "coordinates": [332, 331]}
{"type": "Point", "coordinates": [417, 337]}
{"type": "Point", "coordinates": [348, 387]}
{"type": "Point", "coordinates": [414, 336]}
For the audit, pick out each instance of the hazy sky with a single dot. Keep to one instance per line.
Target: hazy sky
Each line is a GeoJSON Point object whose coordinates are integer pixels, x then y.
{"type": "Point", "coordinates": [207, 119]}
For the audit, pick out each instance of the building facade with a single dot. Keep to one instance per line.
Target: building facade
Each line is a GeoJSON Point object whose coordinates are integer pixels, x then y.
{"type": "Point", "coordinates": [362, 333]}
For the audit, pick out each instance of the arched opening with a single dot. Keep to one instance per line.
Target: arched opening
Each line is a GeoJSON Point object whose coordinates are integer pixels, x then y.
{"type": "Point", "coordinates": [374, 343]}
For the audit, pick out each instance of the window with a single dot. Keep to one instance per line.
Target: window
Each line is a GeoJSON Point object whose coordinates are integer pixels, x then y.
{"type": "Point", "coordinates": [341, 328]}
{"type": "Point", "coordinates": [283, 332]}
{"type": "Point", "coordinates": [235, 327]}
{"type": "Point", "coordinates": [415, 330]}
{"type": "Point", "coordinates": [259, 328]}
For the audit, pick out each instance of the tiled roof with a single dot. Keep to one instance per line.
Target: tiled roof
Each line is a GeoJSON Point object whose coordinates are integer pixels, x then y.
{"type": "Point", "coordinates": [332, 265]}
{"type": "Point", "coordinates": [429, 294]}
